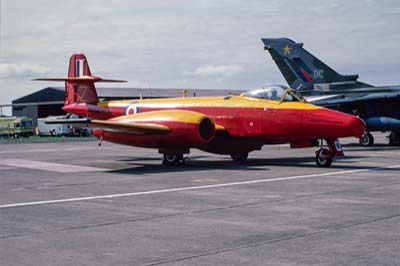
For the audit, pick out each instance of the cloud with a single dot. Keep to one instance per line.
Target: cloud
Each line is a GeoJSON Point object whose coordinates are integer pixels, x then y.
{"type": "Point", "coordinates": [15, 70]}
{"type": "Point", "coordinates": [218, 70]}
{"type": "Point", "coordinates": [202, 44]}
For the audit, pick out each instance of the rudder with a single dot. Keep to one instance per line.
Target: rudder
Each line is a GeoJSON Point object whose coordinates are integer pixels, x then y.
{"type": "Point", "coordinates": [79, 91]}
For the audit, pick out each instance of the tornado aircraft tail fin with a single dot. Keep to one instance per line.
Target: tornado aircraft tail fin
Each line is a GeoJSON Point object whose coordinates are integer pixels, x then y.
{"type": "Point", "coordinates": [303, 71]}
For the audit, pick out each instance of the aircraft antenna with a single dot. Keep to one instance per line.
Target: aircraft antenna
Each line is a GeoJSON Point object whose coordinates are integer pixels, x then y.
{"type": "Point", "coordinates": [149, 87]}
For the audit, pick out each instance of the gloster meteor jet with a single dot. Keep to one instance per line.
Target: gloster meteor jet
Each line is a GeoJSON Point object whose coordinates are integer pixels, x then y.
{"type": "Point", "coordinates": [233, 125]}
{"type": "Point", "coordinates": [379, 107]}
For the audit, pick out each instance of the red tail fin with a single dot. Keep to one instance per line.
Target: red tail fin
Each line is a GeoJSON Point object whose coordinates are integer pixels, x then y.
{"type": "Point", "coordinates": [79, 85]}
{"type": "Point", "coordinates": [79, 91]}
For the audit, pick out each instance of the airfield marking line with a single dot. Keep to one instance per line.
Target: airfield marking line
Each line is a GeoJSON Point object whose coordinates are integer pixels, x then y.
{"type": "Point", "coordinates": [52, 167]}
{"type": "Point", "coordinates": [374, 163]}
{"type": "Point", "coordinates": [151, 192]}
{"type": "Point", "coordinates": [53, 150]}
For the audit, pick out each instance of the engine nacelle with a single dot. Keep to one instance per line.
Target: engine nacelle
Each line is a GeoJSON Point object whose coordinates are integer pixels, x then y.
{"type": "Point", "coordinates": [186, 129]}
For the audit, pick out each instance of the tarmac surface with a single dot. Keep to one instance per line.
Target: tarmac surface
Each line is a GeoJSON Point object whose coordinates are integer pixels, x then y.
{"type": "Point", "coordinates": [74, 203]}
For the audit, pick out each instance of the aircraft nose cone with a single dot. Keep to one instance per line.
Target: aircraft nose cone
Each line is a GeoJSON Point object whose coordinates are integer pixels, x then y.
{"type": "Point", "coordinates": [356, 126]}
{"type": "Point", "coordinates": [332, 124]}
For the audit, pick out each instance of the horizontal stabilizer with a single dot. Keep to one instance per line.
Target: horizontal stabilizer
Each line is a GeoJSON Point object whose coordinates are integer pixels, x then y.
{"type": "Point", "coordinates": [82, 78]}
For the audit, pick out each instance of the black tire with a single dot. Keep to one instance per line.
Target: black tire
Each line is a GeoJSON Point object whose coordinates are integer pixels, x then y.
{"type": "Point", "coordinates": [366, 139]}
{"type": "Point", "coordinates": [394, 138]}
{"type": "Point", "coordinates": [172, 158]}
{"type": "Point", "coordinates": [239, 157]}
{"type": "Point", "coordinates": [323, 158]}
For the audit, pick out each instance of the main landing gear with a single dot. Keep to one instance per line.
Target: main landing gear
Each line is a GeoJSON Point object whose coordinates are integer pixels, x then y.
{"type": "Point", "coordinates": [239, 157]}
{"type": "Point", "coordinates": [177, 158]}
{"type": "Point", "coordinates": [394, 138]}
{"type": "Point", "coordinates": [324, 156]}
{"type": "Point", "coordinates": [366, 139]}
{"type": "Point", "coordinates": [173, 159]}
{"type": "Point", "coordinates": [173, 156]}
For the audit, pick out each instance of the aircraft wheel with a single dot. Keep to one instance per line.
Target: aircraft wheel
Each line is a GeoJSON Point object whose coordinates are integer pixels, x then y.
{"type": "Point", "coordinates": [172, 158]}
{"type": "Point", "coordinates": [323, 158]}
{"type": "Point", "coordinates": [394, 138]}
{"type": "Point", "coordinates": [366, 139]}
{"type": "Point", "coordinates": [239, 157]}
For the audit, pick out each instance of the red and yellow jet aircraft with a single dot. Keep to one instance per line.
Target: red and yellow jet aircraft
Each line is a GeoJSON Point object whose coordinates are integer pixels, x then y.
{"type": "Point", "coordinates": [234, 125]}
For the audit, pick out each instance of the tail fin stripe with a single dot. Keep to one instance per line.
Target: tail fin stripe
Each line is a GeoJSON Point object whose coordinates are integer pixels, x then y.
{"type": "Point", "coordinates": [77, 68]}
{"type": "Point", "coordinates": [303, 78]}
{"type": "Point", "coordinates": [306, 75]}
{"type": "Point", "coordinates": [80, 68]}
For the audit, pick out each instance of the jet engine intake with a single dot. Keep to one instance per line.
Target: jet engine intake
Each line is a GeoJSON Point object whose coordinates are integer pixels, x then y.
{"type": "Point", "coordinates": [206, 129]}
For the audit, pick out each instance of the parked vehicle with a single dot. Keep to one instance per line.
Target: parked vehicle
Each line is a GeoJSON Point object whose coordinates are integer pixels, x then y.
{"type": "Point", "coordinates": [13, 126]}
{"type": "Point", "coordinates": [52, 129]}
{"type": "Point", "coordinates": [79, 132]}
{"type": "Point", "coordinates": [61, 129]}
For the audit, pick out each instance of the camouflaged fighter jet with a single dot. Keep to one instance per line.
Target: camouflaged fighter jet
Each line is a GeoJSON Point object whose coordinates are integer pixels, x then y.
{"type": "Point", "coordinates": [379, 107]}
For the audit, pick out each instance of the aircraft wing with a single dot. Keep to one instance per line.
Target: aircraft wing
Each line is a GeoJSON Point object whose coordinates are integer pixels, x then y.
{"type": "Point", "coordinates": [148, 123]}
{"type": "Point", "coordinates": [115, 126]}
{"type": "Point", "coordinates": [131, 127]}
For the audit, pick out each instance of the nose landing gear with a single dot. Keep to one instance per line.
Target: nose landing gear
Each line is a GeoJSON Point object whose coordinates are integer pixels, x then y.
{"type": "Point", "coordinates": [324, 156]}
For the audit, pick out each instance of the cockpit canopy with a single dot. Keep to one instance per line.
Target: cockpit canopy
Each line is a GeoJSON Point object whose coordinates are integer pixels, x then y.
{"type": "Point", "coordinates": [275, 93]}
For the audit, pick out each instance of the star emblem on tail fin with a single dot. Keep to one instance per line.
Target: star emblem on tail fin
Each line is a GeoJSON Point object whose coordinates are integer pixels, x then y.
{"type": "Point", "coordinates": [286, 50]}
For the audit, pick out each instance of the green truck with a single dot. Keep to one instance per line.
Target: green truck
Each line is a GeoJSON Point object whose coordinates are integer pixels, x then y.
{"type": "Point", "coordinates": [13, 126]}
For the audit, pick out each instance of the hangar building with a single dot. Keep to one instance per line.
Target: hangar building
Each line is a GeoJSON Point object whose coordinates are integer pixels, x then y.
{"type": "Point", "coordinates": [50, 100]}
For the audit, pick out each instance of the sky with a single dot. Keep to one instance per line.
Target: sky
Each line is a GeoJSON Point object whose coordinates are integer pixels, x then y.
{"type": "Point", "coordinates": [210, 44]}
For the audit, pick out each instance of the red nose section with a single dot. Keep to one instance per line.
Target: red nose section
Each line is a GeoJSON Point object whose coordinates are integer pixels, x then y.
{"type": "Point", "coordinates": [325, 123]}
{"type": "Point", "coordinates": [355, 126]}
